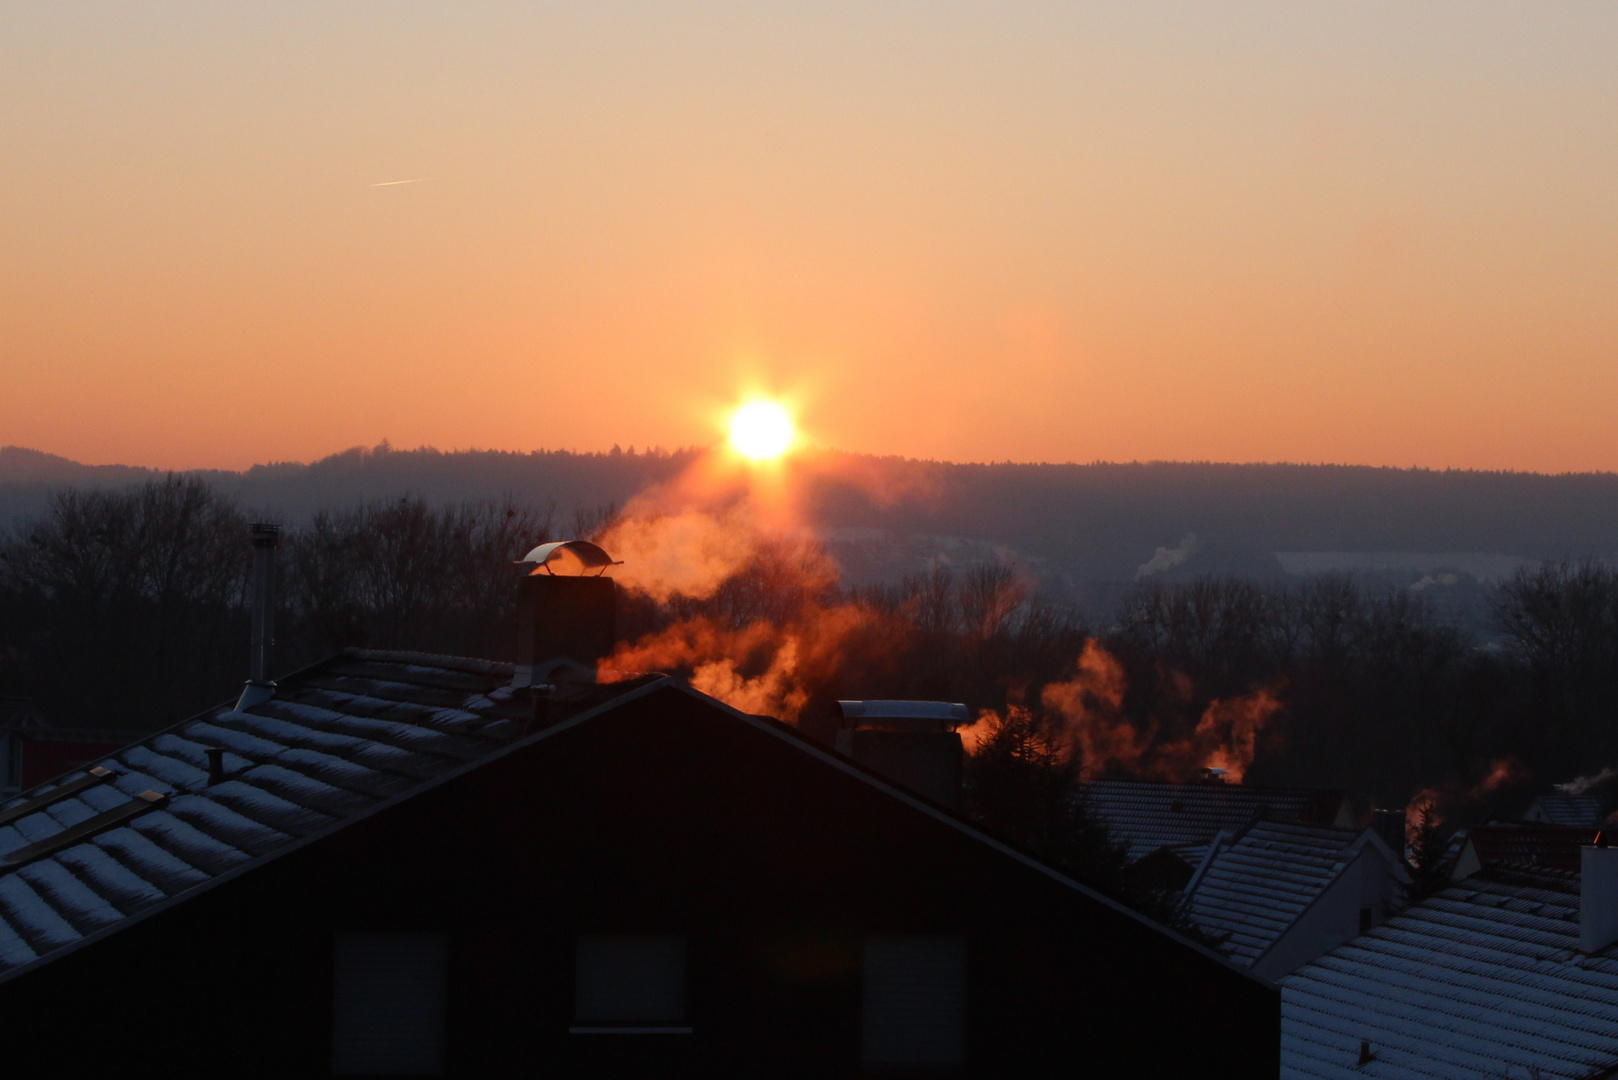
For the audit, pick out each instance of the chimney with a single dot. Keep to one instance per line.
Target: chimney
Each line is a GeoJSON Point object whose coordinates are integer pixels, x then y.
{"type": "Point", "coordinates": [266, 539]}
{"type": "Point", "coordinates": [564, 612]}
{"type": "Point", "coordinates": [1598, 895]}
{"type": "Point", "coordinates": [912, 743]}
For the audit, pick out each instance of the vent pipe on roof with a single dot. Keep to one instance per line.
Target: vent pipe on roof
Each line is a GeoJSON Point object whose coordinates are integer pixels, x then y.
{"type": "Point", "coordinates": [1598, 896]}
{"type": "Point", "coordinates": [266, 540]}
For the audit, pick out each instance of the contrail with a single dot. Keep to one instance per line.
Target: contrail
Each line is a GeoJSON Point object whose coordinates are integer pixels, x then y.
{"type": "Point", "coordinates": [390, 183]}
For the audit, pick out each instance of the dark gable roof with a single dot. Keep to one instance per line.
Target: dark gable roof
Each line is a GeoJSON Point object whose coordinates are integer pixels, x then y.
{"type": "Point", "coordinates": [340, 740]}
{"type": "Point", "coordinates": [19, 713]}
{"type": "Point", "coordinates": [1149, 814]}
{"type": "Point", "coordinates": [1484, 979]}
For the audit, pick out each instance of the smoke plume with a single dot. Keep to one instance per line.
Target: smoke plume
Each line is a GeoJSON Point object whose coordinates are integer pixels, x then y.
{"type": "Point", "coordinates": [762, 625]}
{"type": "Point", "coordinates": [1168, 558]}
{"type": "Point", "coordinates": [761, 667]}
{"type": "Point", "coordinates": [1091, 722]}
{"type": "Point", "coordinates": [1583, 784]}
{"type": "Point", "coordinates": [1502, 773]}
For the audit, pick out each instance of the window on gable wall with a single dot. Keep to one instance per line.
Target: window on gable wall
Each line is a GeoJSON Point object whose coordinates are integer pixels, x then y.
{"type": "Point", "coordinates": [388, 1004]}
{"type": "Point", "coordinates": [630, 982]}
{"type": "Point", "coordinates": [914, 1007]}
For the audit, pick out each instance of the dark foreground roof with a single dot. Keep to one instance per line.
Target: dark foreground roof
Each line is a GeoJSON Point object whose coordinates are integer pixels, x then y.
{"type": "Point", "coordinates": [87, 853]}
{"type": "Point", "coordinates": [339, 739]}
{"type": "Point", "coordinates": [1147, 815]}
{"type": "Point", "coordinates": [1484, 979]}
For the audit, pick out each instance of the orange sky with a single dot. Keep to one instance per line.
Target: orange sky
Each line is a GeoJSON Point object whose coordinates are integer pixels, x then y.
{"type": "Point", "coordinates": [1378, 232]}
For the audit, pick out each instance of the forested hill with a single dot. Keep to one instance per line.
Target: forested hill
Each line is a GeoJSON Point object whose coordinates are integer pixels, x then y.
{"type": "Point", "coordinates": [1104, 520]}
{"type": "Point", "coordinates": [1098, 522]}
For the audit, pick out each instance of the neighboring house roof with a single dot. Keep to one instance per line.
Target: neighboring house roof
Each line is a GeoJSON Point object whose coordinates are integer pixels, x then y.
{"type": "Point", "coordinates": [1146, 815]}
{"type": "Point", "coordinates": [337, 740]}
{"type": "Point", "coordinates": [1251, 890]}
{"type": "Point", "coordinates": [1553, 847]}
{"type": "Point", "coordinates": [19, 716]}
{"type": "Point", "coordinates": [19, 713]}
{"type": "Point", "coordinates": [1484, 979]}
{"type": "Point", "coordinates": [1562, 809]}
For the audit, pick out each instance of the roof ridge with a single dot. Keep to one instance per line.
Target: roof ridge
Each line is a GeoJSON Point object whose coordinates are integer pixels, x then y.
{"type": "Point", "coordinates": [440, 660]}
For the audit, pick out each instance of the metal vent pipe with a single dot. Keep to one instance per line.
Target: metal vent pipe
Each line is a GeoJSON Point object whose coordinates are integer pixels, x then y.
{"type": "Point", "coordinates": [266, 539]}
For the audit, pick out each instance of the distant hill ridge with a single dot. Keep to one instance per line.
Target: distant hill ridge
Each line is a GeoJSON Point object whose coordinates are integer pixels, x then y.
{"type": "Point", "coordinates": [1095, 522]}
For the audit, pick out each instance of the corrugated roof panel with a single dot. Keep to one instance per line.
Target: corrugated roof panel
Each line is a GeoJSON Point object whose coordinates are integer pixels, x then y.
{"type": "Point", "coordinates": [32, 916]}
{"type": "Point", "coordinates": [111, 878]}
{"type": "Point", "coordinates": [157, 864]}
{"type": "Point", "coordinates": [77, 903]}
{"type": "Point", "coordinates": [14, 950]}
{"type": "Point", "coordinates": [305, 790]}
{"type": "Point", "coordinates": [212, 814]}
{"type": "Point", "coordinates": [1482, 979]}
{"type": "Point", "coordinates": [168, 772]}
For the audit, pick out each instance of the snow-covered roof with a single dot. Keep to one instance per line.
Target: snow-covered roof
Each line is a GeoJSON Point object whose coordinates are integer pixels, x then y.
{"type": "Point", "coordinates": [337, 740]}
{"type": "Point", "coordinates": [1485, 979]}
{"type": "Point", "coordinates": [1146, 815]}
{"type": "Point", "coordinates": [1250, 891]}
{"type": "Point", "coordinates": [1560, 808]}
{"type": "Point", "coordinates": [1555, 847]}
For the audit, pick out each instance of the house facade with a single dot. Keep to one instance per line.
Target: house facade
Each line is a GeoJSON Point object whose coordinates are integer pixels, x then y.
{"type": "Point", "coordinates": [401, 864]}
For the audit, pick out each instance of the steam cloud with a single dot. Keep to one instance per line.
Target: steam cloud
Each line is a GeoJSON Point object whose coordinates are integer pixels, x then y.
{"type": "Point", "coordinates": [1168, 558]}
{"type": "Point", "coordinates": [1430, 804]}
{"type": "Point", "coordinates": [710, 528]}
{"type": "Point", "coordinates": [1583, 784]}
{"type": "Point", "coordinates": [1090, 708]}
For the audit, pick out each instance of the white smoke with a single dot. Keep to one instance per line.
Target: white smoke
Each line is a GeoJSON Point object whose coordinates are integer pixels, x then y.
{"type": "Point", "coordinates": [1429, 580]}
{"type": "Point", "coordinates": [1585, 783]}
{"type": "Point", "coordinates": [1168, 558]}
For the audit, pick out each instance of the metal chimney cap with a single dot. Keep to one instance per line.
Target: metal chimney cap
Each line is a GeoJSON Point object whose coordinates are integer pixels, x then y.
{"type": "Point", "coordinates": [590, 556]}
{"type": "Point", "coordinates": [949, 712]}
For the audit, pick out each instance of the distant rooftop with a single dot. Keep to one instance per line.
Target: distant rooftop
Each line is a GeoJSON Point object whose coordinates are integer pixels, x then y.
{"type": "Point", "coordinates": [1254, 889]}
{"type": "Point", "coordinates": [1146, 815]}
{"type": "Point", "coordinates": [1553, 847]}
{"type": "Point", "coordinates": [1484, 979]}
{"type": "Point", "coordinates": [1560, 808]}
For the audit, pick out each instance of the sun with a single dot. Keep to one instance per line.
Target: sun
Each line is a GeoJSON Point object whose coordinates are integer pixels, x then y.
{"type": "Point", "coordinates": [761, 430]}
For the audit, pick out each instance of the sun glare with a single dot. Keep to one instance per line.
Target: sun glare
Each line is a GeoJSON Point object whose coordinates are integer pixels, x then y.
{"type": "Point", "coordinates": [760, 430]}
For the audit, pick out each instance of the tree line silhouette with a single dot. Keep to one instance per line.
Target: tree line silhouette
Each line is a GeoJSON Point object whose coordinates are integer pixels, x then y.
{"type": "Point", "coordinates": [126, 609]}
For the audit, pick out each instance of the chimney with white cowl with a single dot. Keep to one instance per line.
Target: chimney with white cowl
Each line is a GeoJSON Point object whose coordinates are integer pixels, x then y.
{"type": "Point", "coordinates": [567, 614]}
